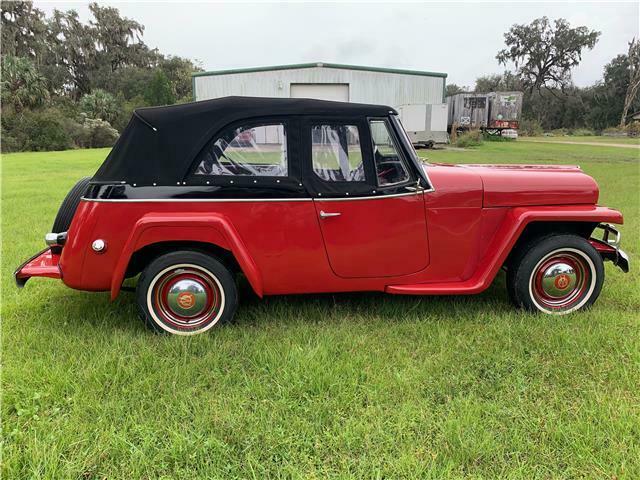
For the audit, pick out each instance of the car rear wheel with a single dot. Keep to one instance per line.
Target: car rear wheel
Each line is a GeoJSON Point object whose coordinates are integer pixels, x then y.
{"type": "Point", "coordinates": [557, 274]}
{"type": "Point", "coordinates": [186, 293]}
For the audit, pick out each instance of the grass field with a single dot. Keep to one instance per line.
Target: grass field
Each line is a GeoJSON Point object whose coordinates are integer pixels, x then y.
{"type": "Point", "coordinates": [588, 139]}
{"type": "Point", "coordinates": [330, 386]}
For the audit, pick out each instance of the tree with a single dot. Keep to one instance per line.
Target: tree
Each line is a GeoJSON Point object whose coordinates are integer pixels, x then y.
{"type": "Point", "coordinates": [23, 30]}
{"type": "Point", "coordinates": [498, 83]}
{"type": "Point", "coordinates": [100, 105]}
{"type": "Point", "coordinates": [118, 39]}
{"type": "Point", "coordinates": [159, 91]}
{"type": "Point", "coordinates": [72, 56]}
{"type": "Point", "coordinates": [544, 54]}
{"type": "Point", "coordinates": [633, 58]}
{"type": "Point", "coordinates": [606, 99]}
{"type": "Point", "coordinates": [453, 89]}
{"type": "Point", "coordinates": [82, 56]}
{"type": "Point", "coordinates": [178, 71]}
{"type": "Point", "coordinates": [22, 85]}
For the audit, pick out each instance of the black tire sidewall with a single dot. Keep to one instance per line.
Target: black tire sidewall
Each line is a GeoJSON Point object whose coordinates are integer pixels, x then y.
{"type": "Point", "coordinates": [223, 276]}
{"type": "Point", "coordinates": [69, 206]}
{"type": "Point", "coordinates": [520, 271]}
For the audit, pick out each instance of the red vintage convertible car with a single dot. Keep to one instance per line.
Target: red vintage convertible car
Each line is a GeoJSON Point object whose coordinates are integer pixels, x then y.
{"type": "Point", "coordinates": [307, 196]}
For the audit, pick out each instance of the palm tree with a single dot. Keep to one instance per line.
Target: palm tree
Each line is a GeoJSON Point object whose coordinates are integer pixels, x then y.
{"type": "Point", "coordinates": [100, 104]}
{"type": "Point", "coordinates": [22, 85]}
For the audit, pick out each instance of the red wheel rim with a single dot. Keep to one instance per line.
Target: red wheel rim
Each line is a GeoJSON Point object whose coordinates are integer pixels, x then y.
{"type": "Point", "coordinates": [560, 281]}
{"type": "Point", "coordinates": [186, 298]}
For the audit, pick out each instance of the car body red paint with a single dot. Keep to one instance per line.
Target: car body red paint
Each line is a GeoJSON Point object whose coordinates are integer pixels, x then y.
{"type": "Point", "coordinates": [448, 231]}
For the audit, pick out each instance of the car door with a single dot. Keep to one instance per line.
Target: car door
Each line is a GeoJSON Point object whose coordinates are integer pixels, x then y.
{"type": "Point", "coordinates": [367, 200]}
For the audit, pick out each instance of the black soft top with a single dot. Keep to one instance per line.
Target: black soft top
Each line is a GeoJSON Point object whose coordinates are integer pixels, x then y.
{"type": "Point", "coordinates": [160, 143]}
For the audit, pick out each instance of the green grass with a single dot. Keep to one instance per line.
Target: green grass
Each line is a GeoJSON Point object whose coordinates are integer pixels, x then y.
{"type": "Point", "coordinates": [342, 386]}
{"type": "Point", "coordinates": [589, 139]}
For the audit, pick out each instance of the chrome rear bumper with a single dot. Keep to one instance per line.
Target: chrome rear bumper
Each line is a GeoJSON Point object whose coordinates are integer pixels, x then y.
{"type": "Point", "coordinates": [55, 239]}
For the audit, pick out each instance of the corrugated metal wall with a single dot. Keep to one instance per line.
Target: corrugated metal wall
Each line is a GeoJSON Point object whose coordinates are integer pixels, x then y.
{"type": "Point", "coordinates": [383, 88]}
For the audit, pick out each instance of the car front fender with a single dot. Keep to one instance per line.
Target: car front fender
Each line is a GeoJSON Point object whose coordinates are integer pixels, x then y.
{"type": "Point", "coordinates": [503, 242]}
{"type": "Point", "coordinates": [165, 227]}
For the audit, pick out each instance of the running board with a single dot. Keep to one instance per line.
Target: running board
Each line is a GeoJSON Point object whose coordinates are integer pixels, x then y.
{"type": "Point", "coordinates": [458, 288]}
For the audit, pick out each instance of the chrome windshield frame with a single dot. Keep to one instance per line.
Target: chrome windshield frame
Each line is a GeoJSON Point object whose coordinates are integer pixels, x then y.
{"type": "Point", "coordinates": [411, 152]}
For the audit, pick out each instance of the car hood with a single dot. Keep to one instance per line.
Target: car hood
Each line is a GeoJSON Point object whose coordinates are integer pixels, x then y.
{"type": "Point", "coordinates": [516, 185]}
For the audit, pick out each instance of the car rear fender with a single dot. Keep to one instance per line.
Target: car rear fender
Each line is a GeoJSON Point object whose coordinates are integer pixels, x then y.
{"type": "Point", "coordinates": [163, 227]}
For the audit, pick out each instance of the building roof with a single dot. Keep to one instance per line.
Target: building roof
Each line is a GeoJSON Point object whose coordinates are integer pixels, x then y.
{"type": "Point", "coordinates": [160, 144]}
{"type": "Point", "coordinates": [297, 66]}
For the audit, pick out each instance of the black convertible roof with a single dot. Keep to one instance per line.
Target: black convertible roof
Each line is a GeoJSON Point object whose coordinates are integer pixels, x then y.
{"type": "Point", "coordinates": [160, 143]}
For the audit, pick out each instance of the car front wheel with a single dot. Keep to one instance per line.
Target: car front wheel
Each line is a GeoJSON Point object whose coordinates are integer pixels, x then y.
{"type": "Point", "coordinates": [185, 293]}
{"type": "Point", "coordinates": [557, 274]}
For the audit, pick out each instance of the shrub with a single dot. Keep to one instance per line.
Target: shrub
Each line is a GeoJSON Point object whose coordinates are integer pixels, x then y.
{"type": "Point", "coordinates": [472, 138]}
{"type": "Point", "coordinates": [497, 138]}
{"type": "Point", "coordinates": [39, 130]}
{"type": "Point", "coordinates": [91, 132]}
{"type": "Point", "coordinates": [530, 128]}
{"type": "Point", "coordinates": [50, 129]}
{"type": "Point", "coordinates": [8, 142]}
{"type": "Point", "coordinates": [615, 132]}
{"type": "Point", "coordinates": [633, 129]}
{"type": "Point", "coordinates": [559, 132]}
{"type": "Point", "coordinates": [98, 133]}
{"type": "Point", "coordinates": [582, 132]}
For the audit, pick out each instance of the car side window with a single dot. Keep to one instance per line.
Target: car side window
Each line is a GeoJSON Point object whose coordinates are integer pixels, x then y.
{"type": "Point", "coordinates": [336, 153]}
{"type": "Point", "coordinates": [254, 150]}
{"type": "Point", "coordinates": [390, 167]}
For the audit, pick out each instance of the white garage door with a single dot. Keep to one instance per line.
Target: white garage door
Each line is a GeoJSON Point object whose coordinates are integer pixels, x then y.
{"type": "Point", "coordinates": [323, 91]}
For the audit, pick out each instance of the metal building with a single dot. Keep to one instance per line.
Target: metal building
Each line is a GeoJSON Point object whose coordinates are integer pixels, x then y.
{"type": "Point", "coordinates": [326, 81]}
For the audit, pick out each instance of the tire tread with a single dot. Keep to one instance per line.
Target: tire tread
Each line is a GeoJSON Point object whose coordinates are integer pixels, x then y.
{"type": "Point", "coordinates": [69, 206]}
{"type": "Point", "coordinates": [527, 256]}
{"type": "Point", "coordinates": [186, 256]}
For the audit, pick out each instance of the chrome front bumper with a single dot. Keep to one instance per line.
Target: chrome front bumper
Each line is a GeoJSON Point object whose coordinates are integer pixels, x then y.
{"type": "Point", "coordinates": [609, 246]}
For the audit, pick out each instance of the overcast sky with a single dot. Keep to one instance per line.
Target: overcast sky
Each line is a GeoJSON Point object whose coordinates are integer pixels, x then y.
{"type": "Point", "coordinates": [460, 39]}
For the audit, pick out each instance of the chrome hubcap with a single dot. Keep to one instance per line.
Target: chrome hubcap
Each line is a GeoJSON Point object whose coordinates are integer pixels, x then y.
{"type": "Point", "coordinates": [187, 297]}
{"type": "Point", "coordinates": [559, 279]}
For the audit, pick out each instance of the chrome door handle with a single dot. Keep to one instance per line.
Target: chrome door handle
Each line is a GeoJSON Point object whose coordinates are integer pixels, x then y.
{"type": "Point", "coordinates": [324, 214]}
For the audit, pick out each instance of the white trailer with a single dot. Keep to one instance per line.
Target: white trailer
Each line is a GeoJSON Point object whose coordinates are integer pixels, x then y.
{"type": "Point", "coordinates": [425, 124]}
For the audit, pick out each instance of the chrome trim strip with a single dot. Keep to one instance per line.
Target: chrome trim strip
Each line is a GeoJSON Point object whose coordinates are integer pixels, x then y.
{"type": "Point", "coordinates": [432, 187]}
{"type": "Point", "coordinates": [374, 197]}
{"type": "Point", "coordinates": [228, 200]}
{"type": "Point", "coordinates": [194, 200]}
{"type": "Point", "coordinates": [418, 161]}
